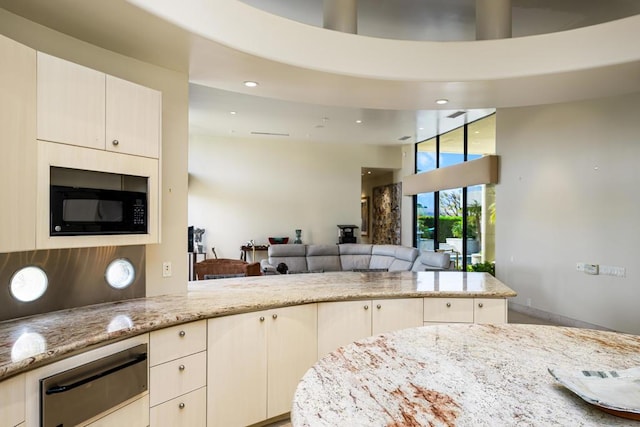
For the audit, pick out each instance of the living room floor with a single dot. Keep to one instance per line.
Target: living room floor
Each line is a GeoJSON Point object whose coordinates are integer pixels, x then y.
{"type": "Point", "coordinates": [513, 317]}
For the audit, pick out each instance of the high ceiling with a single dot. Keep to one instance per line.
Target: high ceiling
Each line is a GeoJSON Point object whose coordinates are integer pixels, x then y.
{"type": "Point", "coordinates": [314, 100]}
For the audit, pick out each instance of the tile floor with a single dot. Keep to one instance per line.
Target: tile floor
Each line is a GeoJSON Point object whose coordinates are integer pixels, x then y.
{"type": "Point", "coordinates": [513, 317]}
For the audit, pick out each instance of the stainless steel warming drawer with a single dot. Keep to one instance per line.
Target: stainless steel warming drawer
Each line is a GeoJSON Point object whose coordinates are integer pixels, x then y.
{"type": "Point", "coordinates": [70, 397]}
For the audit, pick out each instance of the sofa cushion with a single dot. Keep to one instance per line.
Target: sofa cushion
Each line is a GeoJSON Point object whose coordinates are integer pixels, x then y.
{"type": "Point", "coordinates": [323, 258]}
{"type": "Point", "coordinates": [404, 258]}
{"type": "Point", "coordinates": [355, 256]}
{"type": "Point", "coordinates": [292, 255]}
{"type": "Point", "coordinates": [430, 260]}
{"type": "Point", "coordinates": [382, 256]}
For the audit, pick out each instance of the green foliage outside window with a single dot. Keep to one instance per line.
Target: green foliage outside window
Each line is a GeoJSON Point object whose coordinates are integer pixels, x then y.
{"type": "Point", "coordinates": [426, 225]}
{"type": "Point", "coordinates": [483, 267]}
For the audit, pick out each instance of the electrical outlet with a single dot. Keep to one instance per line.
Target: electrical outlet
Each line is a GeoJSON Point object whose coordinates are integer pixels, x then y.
{"type": "Point", "coordinates": [166, 269]}
{"type": "Point", "coordinates": [587, 268]}
{"type": "Point", "coordinates": [591, 269]}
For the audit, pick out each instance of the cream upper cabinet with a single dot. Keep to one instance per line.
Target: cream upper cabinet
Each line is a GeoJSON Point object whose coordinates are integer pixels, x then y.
{"type": "Point", "coordinates": [341, 323]}
{"type": "Point", "coordinates": [18, 145]}
{"type": "Point", "coordinates": [133, 118]}
{"type": "Point", "coordinates": [71, 103]}
{"type": "Point", "coordinates": [255, 361]}
{"type": "Point", "coordinates": [84, 107]}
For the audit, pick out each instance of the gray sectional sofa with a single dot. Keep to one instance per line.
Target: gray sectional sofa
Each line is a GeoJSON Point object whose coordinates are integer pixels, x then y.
{"type": "Point", "coordinates": [352, 257]}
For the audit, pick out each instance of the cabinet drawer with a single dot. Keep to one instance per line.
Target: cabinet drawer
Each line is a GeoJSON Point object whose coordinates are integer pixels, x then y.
{"type": "Point", "coordinates": [189, 410]}
{"type": "Point", "coordinates": [448, 310]}
{"type": "Point", "coordinates": [177, 341]}
{"type": "Point", "coordinates": [12, 396]}
{"type": "Point", "coordinates": [490, 310]}
{"type": "Point", "coordinates": [177, 377]}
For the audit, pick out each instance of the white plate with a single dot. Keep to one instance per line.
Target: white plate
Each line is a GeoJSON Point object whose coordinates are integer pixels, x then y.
{"type": "Point", "coordinates": [616, 392]}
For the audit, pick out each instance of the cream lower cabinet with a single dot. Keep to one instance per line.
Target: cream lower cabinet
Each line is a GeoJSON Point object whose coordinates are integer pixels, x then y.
{"type": "Point", "coordinates": [341, 323]}
{"type": "Point", "coordinates": [255, 361]}
{"type": "Point", "coordinates": [178, 375]}
{"type": "Point", "coordinates": [465, 310]}
{"type": "Point", "coordinates": [490, 310]}
{"type": "Point", "coordinates": [12, 398]}
{"type": "Point", "coordinates": [134, 413]}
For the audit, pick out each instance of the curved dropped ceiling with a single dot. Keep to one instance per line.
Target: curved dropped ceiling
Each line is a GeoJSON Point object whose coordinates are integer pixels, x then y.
{"type": "Point", "coordinates": [298, 62]}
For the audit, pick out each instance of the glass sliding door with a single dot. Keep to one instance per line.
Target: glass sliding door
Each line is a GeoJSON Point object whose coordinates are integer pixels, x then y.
{"type": "Point", "coordinates": [450, 224]}
{"type": "Point", "coordinates": [460, 221]}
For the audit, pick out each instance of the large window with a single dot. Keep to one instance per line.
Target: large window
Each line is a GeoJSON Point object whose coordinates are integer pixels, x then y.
{"type": "Point", "coordinates": [461, 220]}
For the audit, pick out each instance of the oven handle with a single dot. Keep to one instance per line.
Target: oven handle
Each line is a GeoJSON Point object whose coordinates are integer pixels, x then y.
{"type": "Point", "coordinates": [62, 388]}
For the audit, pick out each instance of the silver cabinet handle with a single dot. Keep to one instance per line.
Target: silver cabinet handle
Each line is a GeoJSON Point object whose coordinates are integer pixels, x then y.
{"type": "Point", "coordinates": [379, 306]}
{"type": "Point", "coordinates": [366, 307]}
{"type": "Point", "coordinates": [448, 304]}
{"type": "Point", "coordinates": [115, 142]}
{"type": "Point", "coordinates": [182, 333]}
{"type": "Point", "coordinates": [480, 305]}
{"type": "Point", "coordinates": [181, 405]}
{"type": "Point", "coordinates": [275, 316]}
{"type": "Point", "coordinates": [262, 318]}
{"type": "Point", "coordinates": [181, 367]}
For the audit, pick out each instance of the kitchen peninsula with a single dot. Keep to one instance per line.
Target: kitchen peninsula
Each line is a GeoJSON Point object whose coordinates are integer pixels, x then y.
{"type": "Point", "coordinates": [220, 308]}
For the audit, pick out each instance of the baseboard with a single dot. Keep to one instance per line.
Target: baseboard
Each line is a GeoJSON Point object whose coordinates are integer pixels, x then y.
{"type": "Point", "coordinates": [554, 318]}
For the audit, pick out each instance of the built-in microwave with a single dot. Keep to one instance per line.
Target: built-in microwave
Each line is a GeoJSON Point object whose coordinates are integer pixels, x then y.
{"type": "Point", "coordinates": [91, 211]}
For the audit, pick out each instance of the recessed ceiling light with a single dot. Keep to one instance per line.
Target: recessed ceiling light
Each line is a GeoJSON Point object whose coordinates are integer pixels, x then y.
{"type": "Point", "coordinates": [368, 172]}
{"type": "Point", "coordinates": [233, 113]}
{"type": "Point", "coordinates": [442, 101]}
{"type": "Point", "coordinates": [249, 83]}
{"type": "Point", "coordinates": [358, 121]}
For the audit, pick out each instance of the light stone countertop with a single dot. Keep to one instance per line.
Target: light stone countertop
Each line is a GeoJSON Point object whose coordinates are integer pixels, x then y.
{"type": "Point", "coordinates": [461, 375]}
{"type": "Point", "coordinates": [34, 341]}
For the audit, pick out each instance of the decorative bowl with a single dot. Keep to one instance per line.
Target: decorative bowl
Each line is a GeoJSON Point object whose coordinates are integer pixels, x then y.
{"type": "Point", "coordinates": [278, 240]}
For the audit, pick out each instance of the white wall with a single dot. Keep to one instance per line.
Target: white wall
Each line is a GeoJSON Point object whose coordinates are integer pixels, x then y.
{"type": "Point", "coordinates": [175, 92]}
{"type": "Point", "coordinates": [568, 193]}
{"type": "Point", "coordinates": [253, 189]}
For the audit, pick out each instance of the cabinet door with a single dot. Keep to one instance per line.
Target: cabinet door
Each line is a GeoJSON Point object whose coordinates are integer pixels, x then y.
{"type": "Point", "coordinates": [12, 398]}
{"type": "Point", "coordinates": [448, 310]}
{"type": "Point", "coordinates": [134, 414]}
{"type": "Point", "coordinates": [341, 323]}
{"type": "Point", "coordinates": [133, 118]}
{"type": "Point", "coordinates": [71, 103]}
{"type": "Point", "coordinates": [189, 410]}
{"type": "Point", "coordinates": [292, 350]}
{"type": "Point", "coordinates": [490, 310]}
{"type": "Point", "coordinates": [18, 141]}
{"type": "Point", "coordinates": [394, 314]}
{"type": "Point", "coordinates": [237, 370]}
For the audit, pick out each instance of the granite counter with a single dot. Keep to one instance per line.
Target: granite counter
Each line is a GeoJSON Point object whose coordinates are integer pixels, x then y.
{"type": "Point", "coordinates": [34, 341]}
{"type": "Point", "coordinates": [462, 375]}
